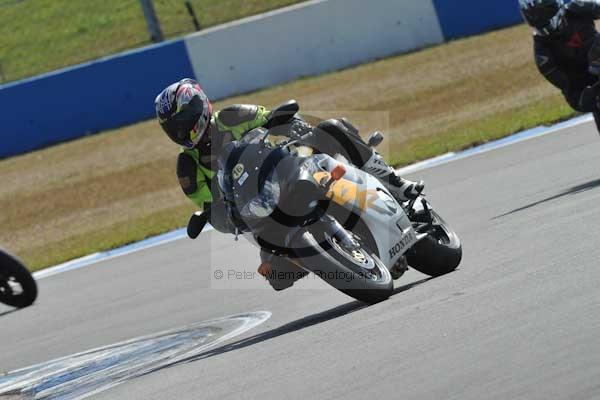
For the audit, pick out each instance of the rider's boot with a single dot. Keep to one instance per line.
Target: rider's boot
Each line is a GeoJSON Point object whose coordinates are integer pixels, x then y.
{"type": "Point", "coordinates": [402, 189]}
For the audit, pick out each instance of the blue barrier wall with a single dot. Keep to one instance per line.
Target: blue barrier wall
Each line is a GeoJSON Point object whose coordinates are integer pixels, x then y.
{"type": "Point", "coordinates": [92, 97]}
{"type": "Point", "coordinates": [468, 17]}
{"type": "Point", "coordinates": [120, 90]}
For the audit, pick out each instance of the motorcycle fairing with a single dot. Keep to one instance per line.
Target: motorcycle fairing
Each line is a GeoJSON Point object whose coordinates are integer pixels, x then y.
{"type": "Point", "coordinates": [363, 194]}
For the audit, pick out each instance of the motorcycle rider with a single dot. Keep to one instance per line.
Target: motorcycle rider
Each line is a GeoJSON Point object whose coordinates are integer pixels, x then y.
{"type": "Point", "coordinates": [186, 115]}
{"type": "Point", "coordinates": [567, 48]}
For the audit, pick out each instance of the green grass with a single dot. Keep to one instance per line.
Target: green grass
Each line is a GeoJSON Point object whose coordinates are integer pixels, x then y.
{"type": "Point", "coordinates": [495, 127]}
{"type": "Point", "coordinates": [38, 36]}
{"type": "Point", "coordinates": [117, 235]}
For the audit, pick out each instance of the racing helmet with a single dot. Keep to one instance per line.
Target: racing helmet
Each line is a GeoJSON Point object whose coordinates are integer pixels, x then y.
{"type": "Point", "coordinates": [546, 16]}
{"type": "Point", "coordinates": [184, 112]}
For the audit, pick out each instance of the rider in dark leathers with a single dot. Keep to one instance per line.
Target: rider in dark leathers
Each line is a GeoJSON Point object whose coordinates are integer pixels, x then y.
{"type": "Point", "coordinates": [567, 48]}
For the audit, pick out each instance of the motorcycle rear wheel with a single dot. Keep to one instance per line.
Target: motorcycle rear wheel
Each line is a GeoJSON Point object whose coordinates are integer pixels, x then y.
{"type": "Point", "coordinates": [17, 286]}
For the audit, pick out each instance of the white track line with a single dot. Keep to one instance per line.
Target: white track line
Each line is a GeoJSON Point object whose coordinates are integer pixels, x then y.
{"type": "Point", "coordinates": [433, 162]}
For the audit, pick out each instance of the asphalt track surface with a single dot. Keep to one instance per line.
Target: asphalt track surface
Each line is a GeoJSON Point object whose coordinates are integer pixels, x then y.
{"type": "Point", "coordinates": [520, 319]}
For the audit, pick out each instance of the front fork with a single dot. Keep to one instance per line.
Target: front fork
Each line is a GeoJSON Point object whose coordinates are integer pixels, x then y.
{"type": "Point", "coordinates": [422, 223]}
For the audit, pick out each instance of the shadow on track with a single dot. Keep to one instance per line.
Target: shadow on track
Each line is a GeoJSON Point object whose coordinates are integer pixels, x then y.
{"type": "Point", "coordinates": [294, 326]}
{"type": "Point", "coordinates": [574, 190]}
{"type": "Point", "coordinates": [3, 313]}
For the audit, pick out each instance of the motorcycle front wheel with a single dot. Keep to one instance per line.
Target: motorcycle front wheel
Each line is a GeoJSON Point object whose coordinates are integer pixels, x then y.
{"type": "Point", "coordinates": [439, 253]}
{"type": "Point", "coordinates": [356, 272]}
{"type": "Point", "coordinates": [17, 286]}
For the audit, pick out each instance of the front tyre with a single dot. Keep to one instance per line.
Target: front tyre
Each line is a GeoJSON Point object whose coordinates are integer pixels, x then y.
{"type": "Point", "coordinates": [439, 253]}
{"type": "Point", "coordinates": [17, 287]}
{"type": "Point", "coordinates": [356, 272]}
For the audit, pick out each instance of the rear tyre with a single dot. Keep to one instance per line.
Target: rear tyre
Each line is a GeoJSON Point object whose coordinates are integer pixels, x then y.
{"type": "Point", "coordinates": [17, 287]}
{"type": "Point", "coordinates": [358, 273]}
{"type": "Point", "coordinates": [439, 253]}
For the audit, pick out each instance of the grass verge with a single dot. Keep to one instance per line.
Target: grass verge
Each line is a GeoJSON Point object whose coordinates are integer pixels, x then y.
{"type": "Point", "coordinates": [483, 131]}
{"type": "Point", "coordinates": [38, 36]}
{"type": "Point", "coordinates": [120, 186]}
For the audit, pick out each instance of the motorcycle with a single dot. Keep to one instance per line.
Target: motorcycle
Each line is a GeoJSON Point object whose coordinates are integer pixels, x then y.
{"type": "Point", "coordinates": [330, 218]}
{"type": "Point", "coordinates": [17, 286]}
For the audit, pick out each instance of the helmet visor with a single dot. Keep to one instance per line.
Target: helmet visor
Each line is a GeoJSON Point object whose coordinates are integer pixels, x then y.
{"type": "Point", "coordinates": [188, 125]}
